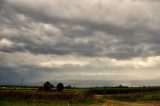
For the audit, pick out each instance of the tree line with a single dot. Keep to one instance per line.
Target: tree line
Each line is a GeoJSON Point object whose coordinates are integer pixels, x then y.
{"type": "Point", "coordinates": [48, 86]}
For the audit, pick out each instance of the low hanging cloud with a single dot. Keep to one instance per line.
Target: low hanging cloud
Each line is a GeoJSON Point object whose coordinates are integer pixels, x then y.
{"type": "Point", "coordinates": [93, 39]}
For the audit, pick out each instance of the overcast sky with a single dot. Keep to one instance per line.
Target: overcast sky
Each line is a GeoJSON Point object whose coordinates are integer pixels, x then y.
{"type": "Point", "coordinates": [48, 40]}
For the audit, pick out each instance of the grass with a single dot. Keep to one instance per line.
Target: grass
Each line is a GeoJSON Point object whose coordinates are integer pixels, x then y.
{"type": "Point", "coordinates": [151, 97]}
{"type": "Point", "coordinates": [32, 103]}
{"type": "Point", "coordinates": [45, 103]}
{"type": "Point", "coordinates": [124, 90]}
{"type": "Point", "coordinates": [134, 97]}
{"type": "Point", "coordinates": [23, 97]}
{"type": "Point", "coordinates": [78, 97]}
{"type": "Point", "coordinates": [51, 95]}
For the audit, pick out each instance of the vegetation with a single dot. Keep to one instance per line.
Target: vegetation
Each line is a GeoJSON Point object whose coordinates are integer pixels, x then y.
{"type": "Point", "coordinates": [129, 93]}
{"type": "Point", "coordinates": [60, 86]}
{"type": "Point", "coordinates": [33, 103]}
{"type": "Point", "coordinates": [28, 97]}
{"type": "Point", "coordinates": [76, 96]}
{"type": "Point", "coordinates": [123, 90]}
{"type": "Point", "coordinates": [47, 86]}
{"type": "Point", "coordinates": [33, 95]}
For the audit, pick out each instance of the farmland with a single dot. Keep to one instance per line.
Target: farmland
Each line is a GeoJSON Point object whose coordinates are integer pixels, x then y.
{"type": "Point", "coordinates": [28, 96]}
{"type": "Point", "coordinates": [118, 96]}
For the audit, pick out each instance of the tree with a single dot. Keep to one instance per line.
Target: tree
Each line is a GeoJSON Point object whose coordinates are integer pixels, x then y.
{"type": "Point", "coordinates": [47, 86]}
{"type": "Point", "coordinates": [60, 87]}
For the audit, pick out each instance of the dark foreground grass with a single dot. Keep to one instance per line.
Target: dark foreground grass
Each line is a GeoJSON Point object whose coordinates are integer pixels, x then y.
{"type": "Point", "coordinates": [6, 102]}
{"type": "Point", "coordinates": [35, 103]}
{"type": "Point", "coordinates": [29, 95]}
{"type": "Point", "coordinates": [51, 98]}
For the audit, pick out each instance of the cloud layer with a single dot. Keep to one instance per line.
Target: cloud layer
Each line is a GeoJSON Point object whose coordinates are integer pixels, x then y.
{"type": "Point", "coordinates": [70, 40]}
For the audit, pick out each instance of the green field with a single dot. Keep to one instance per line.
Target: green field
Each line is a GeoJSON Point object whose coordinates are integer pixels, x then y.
{"type": "Point", "coordinates": [33, 103]}
{"type": "Point", "coordinates": [139, 96]}
{"type": "Point", "coordinates": [12, 96]}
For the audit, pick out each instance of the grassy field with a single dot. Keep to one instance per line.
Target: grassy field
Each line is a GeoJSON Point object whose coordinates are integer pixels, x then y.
{"type": "Point", "coordinates": [66, 103]}
{"type": "Point", "coordinates": [142, 96]}
{"type": "Point", "coordinates": [32, 97]}
{"type": "Point", "coordinates": [33, 103]}
{"type": "Point", "coordinates": [43, 103]}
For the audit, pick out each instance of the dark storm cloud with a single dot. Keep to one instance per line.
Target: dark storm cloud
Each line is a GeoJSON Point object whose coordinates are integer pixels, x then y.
{"type": "Point", "coordinates": [8, 75]}
{"type": "Point", "coordinates": [23, 20]}
{"type": "Point", "coordinates": [67, 39]}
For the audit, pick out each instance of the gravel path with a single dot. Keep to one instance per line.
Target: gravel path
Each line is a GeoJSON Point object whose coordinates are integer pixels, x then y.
{"type": "Point", "coordinates": [119, 103]}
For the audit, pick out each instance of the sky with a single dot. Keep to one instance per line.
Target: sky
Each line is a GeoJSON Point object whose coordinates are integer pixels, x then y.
{"type": "Point", "coordinates": [79, 40]}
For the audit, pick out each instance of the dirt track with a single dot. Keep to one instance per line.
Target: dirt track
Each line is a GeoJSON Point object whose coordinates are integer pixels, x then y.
{"type": "Point", "coordinates": [119, 103]}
